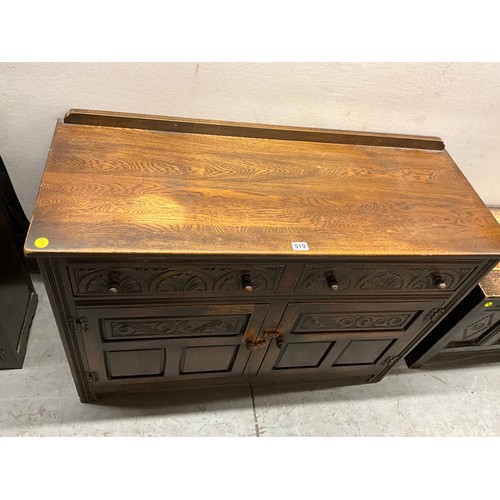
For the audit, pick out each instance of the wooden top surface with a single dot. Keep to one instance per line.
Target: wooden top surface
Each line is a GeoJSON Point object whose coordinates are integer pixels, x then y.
{"type": "Point", "coordinates": [496, 272]}
{"type": "Point", "coordinates": [496, 213]}
{"type": "Point", "coordinates": [119, 190]}
{"type": "Point", "coordinates": [491, 282]}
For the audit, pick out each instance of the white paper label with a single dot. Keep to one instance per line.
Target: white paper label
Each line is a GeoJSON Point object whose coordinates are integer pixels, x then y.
{"type": "Point", "coordinates": [300, 245]}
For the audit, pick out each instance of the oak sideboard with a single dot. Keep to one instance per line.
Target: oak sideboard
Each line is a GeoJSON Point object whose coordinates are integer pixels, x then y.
{"type": "Point", "coordinates": [180, 252]}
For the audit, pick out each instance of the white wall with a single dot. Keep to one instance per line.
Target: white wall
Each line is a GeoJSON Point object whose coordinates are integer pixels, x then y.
{"type": "Point", "coordinates": [459, 102]}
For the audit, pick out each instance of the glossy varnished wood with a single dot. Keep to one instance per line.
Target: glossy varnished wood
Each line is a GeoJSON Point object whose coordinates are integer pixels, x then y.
{"type": "Point", "coordinates": [169, 258]}
{"type": "Point", "coordinates": [496, 213]}
{"type": "Point", "coordinates": [128, 191]}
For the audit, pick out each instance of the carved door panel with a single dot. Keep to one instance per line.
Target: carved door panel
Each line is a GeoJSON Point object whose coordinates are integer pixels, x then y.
{"type": "Point", "coordinates": [344, 337]}
{"type": "Point", "coordinates": [165, 342]}
{"type": "Point", "coordinates": [478, 329]}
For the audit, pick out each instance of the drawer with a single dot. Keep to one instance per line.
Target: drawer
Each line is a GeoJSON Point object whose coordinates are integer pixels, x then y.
{"type": "Point", "coordinates": [338, 277]}
{"type": "Point", "coordinates": [133, 280]}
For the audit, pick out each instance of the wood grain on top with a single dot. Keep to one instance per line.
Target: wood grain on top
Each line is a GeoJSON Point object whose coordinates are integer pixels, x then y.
{"type": "Point", "coordinates": [134, 191]}
{"type": "Point", "coordinates": [491, 283]}
{"type": "Point", "coordinates": [495, 274]}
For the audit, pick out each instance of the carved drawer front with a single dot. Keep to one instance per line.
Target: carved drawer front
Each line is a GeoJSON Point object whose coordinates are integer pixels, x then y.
{"type": "Point", "coordinates": [370, 278]}
{"type": "Point", "coordinates": [188, 342]}
{"type": "Point", "coordinates": [133, 280]}
{"type": "Point", "coordinates": [355, 339]}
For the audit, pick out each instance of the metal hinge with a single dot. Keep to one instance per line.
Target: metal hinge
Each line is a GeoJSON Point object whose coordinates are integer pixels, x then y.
{"type": "Point", "coordinates": [390, 360]}
{"type": "Point", "coordinates": [92, 376]}
{"type": "Point", "coordinates": [434, 314]}
{"type": "Point", "coordinates": [78, 325]}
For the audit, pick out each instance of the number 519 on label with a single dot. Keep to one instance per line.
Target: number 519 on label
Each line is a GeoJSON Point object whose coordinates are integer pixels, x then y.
{"type": "Point", "coordinates": [300, 245]}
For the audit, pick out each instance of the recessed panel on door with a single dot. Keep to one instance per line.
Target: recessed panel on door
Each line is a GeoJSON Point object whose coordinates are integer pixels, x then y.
{"type": "Point", "coordinates": [343, 337]}
{"type": "Point", "coordinates": [188, 341]}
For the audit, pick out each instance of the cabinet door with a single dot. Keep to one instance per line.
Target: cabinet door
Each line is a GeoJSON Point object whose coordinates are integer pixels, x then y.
{"type": "Point", "coordinates": [348, 339]}
{"type": "Point", "coordinates": [165, 342]}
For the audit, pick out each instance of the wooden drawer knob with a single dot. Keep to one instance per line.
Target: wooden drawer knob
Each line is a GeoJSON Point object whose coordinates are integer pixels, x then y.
{"type": "Point", "coordinates": [332, 282]}
{"type": "Point", "coordinates": [247, 283]}
{"type": "Point", "coordinates": [439, 282]}
{"type": "Point", "coordinates": [113, 282]}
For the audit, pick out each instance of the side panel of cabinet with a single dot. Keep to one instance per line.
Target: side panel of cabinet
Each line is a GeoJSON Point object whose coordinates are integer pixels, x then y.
{"type": "Point", "coordinates": [134, 344]}
{"type": "Point", "coordinates": [348, 339]}
{"type": "Point", "coordinates": [18, 299]}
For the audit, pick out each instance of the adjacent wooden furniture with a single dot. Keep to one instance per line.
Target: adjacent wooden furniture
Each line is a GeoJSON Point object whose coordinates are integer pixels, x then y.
{"type": "Point", "coordinates": [179, 252]}
{"type": "Point", "coordinates": [18, 299]}
{"type": "Point", "coordinates": [471, 332]}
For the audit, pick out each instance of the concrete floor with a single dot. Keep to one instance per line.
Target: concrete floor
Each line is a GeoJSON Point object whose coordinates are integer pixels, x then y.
{"type": "Point", "coordinates": [40, 400]}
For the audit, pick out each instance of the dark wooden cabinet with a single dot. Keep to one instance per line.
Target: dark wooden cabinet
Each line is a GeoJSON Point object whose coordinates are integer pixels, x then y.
{"type": "Point", "coordinates": [18, 299]}
{"type": "Point", "coordinates": [184, 252]}
{"type": "Point", "coordinates": [469, 335]}
{"type": "Point", "coordinates": [142, 324]}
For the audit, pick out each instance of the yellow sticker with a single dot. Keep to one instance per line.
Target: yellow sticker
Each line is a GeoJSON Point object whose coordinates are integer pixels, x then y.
{"type": "Point", "coordinates": [41, 242]}
{"type": "Point", "coordinates": [488, 304]}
